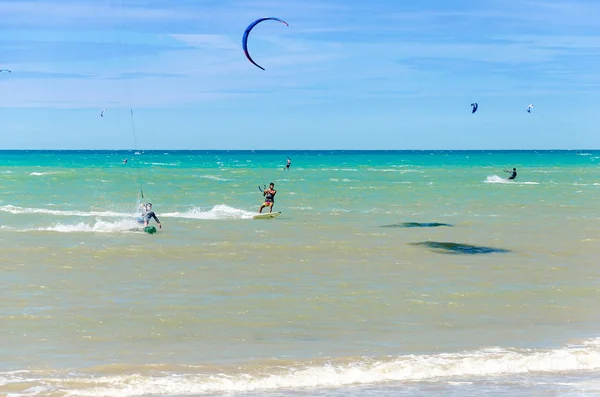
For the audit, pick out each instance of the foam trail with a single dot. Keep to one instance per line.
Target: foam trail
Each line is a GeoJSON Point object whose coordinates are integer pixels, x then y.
{"type": "Point", "coordinates": [221, 211]}
{"type": "Point", "coordinates": [497, 179]}
{"type": "Point", "coordinates": [99, 226]}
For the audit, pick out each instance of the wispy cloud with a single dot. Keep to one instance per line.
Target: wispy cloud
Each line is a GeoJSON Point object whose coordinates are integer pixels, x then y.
{"type": "Point", "coordinates": [216, 41]}
{"type": "Point", "coordinates": [59, 13]}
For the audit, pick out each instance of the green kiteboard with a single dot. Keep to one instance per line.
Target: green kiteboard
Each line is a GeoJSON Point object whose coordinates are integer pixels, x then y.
{"type": "Point", "coordinates": [150, 229]}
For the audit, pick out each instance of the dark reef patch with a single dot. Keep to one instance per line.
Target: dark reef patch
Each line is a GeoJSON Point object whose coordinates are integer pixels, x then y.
{"type": "Point", "coordinates": [418, 224]}
{"type": "Point", "coordinates": [463, 249]}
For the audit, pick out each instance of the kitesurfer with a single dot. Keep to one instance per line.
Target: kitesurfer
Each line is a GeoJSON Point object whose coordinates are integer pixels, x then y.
{"type": "Point", "coordinates": [269, 198]}
{"type": "Point", "coordinates": [149, 214]}
{"type": "Point", "coordinates": [287, 166]}
{"type": "Point", "coordinates": [513, 174]}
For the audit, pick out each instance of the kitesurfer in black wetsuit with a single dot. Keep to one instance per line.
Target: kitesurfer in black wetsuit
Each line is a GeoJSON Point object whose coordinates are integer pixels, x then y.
{"type": "Point", "coordinates": [513, 174]}
{"type": "Point", "coordinates": [269, 198]}
{"type": "Point", "coordinates": [148, 215]}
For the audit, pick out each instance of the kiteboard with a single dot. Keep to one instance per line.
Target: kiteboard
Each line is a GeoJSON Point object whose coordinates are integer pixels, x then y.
{"type": "Point", "coordinates": [268, 215]}
{"type": "Point", "coordinates": [150, 229]}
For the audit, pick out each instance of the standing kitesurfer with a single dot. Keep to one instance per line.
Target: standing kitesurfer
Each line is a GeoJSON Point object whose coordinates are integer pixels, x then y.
{"type": "Point", "coordinates": [269, 198]}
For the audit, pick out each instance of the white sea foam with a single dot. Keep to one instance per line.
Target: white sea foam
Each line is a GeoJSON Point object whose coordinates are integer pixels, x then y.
{"type": "Point", "coordinates": [340, 180]}
{"type": "Point", "coordinates": [221, 211]}
{"type": "Point", "coordinates": [383, 170]}
{"type": "Point", "coordinates": [402, 171]}
{"type": "Point", "coordinates": [23, 210]}
{"type": "Point", "coordinates": [411, 368]}
{"type": "Point", "coordinates": [339, 210]}
{"type": "Point", "coordinates": [497, 179]}
{"type": "Point", "coordinates": [99, 226]}
{"type": "Point", "coordinates": [213, 178]}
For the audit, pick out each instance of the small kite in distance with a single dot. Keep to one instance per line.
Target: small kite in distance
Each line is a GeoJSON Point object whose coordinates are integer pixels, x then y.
{"type": "Point", "coordinates": [474, 105]}
{"type": "Point", "coordinates": [529, 107]}
{"type": "Point", "coordinates": [247, 32]}
{"type": "Point", "coordinates": [5, 70]}
{"type": "Point", "coordinates": [102, 112]}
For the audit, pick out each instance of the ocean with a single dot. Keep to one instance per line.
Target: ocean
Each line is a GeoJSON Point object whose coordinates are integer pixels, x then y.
{"type": "Point", "coordinates": [388, 273]}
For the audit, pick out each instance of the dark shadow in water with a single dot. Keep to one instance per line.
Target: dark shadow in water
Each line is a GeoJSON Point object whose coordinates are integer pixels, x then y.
{"type": "Point", "coordinates": [456, 248]}
{"type": "Point", "coordinates": [418, 224]}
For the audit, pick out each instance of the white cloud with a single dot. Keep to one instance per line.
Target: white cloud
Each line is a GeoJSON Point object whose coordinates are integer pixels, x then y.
{"type": "Point", "coordinates": [57, 12]}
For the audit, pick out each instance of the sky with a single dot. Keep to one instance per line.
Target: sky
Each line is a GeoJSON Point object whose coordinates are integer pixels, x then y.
{"type": "Point", "coordinates": [377, 74]}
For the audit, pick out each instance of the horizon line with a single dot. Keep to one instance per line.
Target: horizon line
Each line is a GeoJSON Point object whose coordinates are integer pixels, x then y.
{"type": "Point", "coordinates": [296, 150]}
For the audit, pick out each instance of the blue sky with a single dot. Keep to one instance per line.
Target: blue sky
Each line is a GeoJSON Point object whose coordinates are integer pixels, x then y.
{"type": "Point", "coordinates": [345, 74]}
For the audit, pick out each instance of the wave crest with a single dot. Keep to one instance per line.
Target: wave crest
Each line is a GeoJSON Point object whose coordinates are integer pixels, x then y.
{"type": "Point", "coordinates": [296, 375]}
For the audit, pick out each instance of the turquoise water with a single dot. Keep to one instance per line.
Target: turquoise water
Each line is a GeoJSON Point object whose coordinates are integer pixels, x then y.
{"type": "Point", "coordinates": [388, 273]}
